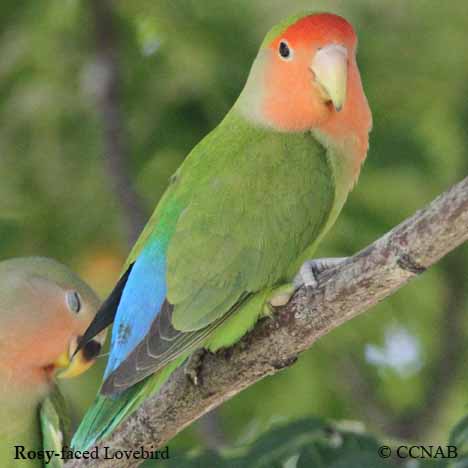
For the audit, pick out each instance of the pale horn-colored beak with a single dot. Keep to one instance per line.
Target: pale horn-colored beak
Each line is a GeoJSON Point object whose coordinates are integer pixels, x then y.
{"type": "Point", "coordinates": [330, 68]}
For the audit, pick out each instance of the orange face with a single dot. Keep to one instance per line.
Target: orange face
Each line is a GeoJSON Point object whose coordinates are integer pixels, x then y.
{"type": "Point", "coordinates": [306, 79]}
{"type": "Point", "coordinates": [44, 310]}
{"type": "Point", "coordinates": [294, 99]}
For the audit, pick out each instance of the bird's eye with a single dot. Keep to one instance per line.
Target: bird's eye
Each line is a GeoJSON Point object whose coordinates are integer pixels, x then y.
{"type": "Point", "coordinates": [73, 301]}
{"type": "Point", "coordinates": [285, 51]}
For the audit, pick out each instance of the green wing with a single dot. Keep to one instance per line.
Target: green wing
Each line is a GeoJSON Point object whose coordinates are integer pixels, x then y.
{"type": "Point", "coordinates": [256, 200]}
{"type": "Point", "coordinates": [55, 425]}
{"type": "Point", "coordinates": [244, 206]}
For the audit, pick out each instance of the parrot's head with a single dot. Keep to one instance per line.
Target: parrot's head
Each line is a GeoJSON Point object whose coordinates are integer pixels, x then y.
{"type": "Point", "coordinates": [305, 77]}
{"type": "Point", "coordinates": [44, 312]}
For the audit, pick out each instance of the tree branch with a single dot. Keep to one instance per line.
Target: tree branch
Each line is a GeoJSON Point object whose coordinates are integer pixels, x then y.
{"type": "Point", "coordinates": [342, 294]}
{"type": "Point", "coordinates": [108, 99]}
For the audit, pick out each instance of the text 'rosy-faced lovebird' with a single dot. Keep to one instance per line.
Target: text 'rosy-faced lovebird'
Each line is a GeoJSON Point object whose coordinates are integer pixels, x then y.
{"type": "Point", "coordinates": [44, 310]}
{"type": "Point", "coordinates": [241, 215]}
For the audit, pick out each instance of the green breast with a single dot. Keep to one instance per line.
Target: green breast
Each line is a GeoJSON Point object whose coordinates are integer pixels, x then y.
{"type": "Point", "coordinates": [19, 427]}
{"type": "Point", "coordinates": [253, 201]}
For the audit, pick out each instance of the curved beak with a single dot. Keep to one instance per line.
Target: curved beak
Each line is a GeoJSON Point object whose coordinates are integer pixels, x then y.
{"type": "Point", "coordinates": [75, 364]}
{"type": "Point", "coordinates": [330, 68]}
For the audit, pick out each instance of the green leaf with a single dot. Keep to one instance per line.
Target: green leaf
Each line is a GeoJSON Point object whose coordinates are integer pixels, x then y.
{"type": "Point", "coordinates": [189, 460]}
{"type": "Point", "coordinates": [300, 444]}
{"type": "Point", "coordinates": [280, 443]}
{"type": "Point", "coordinates": [459, 435]}
{"type": "Point", "coordinates": [344, 450]}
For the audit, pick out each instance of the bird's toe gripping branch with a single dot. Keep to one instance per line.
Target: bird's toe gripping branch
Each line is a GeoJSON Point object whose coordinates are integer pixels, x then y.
{"type": "Point", "coordinates": [311, 269]}
{"type": "Point", "coordinates": [192, 366]}
{"type": "Point", "coordinates": [307, 276]}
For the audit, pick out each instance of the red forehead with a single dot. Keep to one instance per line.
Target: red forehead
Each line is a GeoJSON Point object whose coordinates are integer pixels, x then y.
{"type": "Point", "coordinates": [323, 27]}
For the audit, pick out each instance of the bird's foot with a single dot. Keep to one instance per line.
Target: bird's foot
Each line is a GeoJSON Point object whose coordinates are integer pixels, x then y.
{"type": "Point", "coordinates": [311, 269]}
{"type": "Point", "coordinates": [192, 366]}
{"type": "Point", "coordinates": [307, 276]}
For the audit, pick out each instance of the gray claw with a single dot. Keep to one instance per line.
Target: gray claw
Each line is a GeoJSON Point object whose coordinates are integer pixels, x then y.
{"type": "Point", "coordinates": [311, 269]}
{"type": "Point", "coordinates": [193, 365]}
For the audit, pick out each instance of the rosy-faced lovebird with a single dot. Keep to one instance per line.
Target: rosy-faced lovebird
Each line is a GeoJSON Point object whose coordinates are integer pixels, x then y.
{"type": "Point", "coordinates": [240, 216]}
{"type": "Point", "coordinates": [44, 310]}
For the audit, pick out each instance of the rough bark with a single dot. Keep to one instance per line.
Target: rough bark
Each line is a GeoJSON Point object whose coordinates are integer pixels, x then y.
{"type": "Point", "coordinates": [342, 294]}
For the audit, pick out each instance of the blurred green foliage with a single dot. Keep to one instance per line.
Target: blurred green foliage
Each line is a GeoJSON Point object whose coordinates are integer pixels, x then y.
{"type": "Point", "coordinates": [182, 65]}
{"type": "Point", "coordinates": [312, 442]}
{"type": "Point", "coordinates": [304, 443]}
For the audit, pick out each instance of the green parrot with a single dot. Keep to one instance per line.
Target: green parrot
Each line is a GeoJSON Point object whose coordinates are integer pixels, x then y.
{"type": "Point", "coordinates": [44, 310]}
{"type": "Point", "coordinates": [241, 215]}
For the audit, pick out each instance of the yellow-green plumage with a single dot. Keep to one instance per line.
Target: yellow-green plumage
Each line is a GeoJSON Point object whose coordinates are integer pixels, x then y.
{"type": "Point", "coordinates": [253, 200]}
{"type": "Point", "coordinates": [33, 426]}
{"type": "Point", "coordinates": [246, 208]}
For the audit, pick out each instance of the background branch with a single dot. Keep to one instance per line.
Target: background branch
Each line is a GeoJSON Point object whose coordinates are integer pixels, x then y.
{"type": "Point", "coordinates": [343, 293]}
{"type": "Point", "coordinates": [108, 97]}
{"type": "Point", "coordinates": [117, 157]}
{"type": "Point", "coordinates": [444, 371]}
